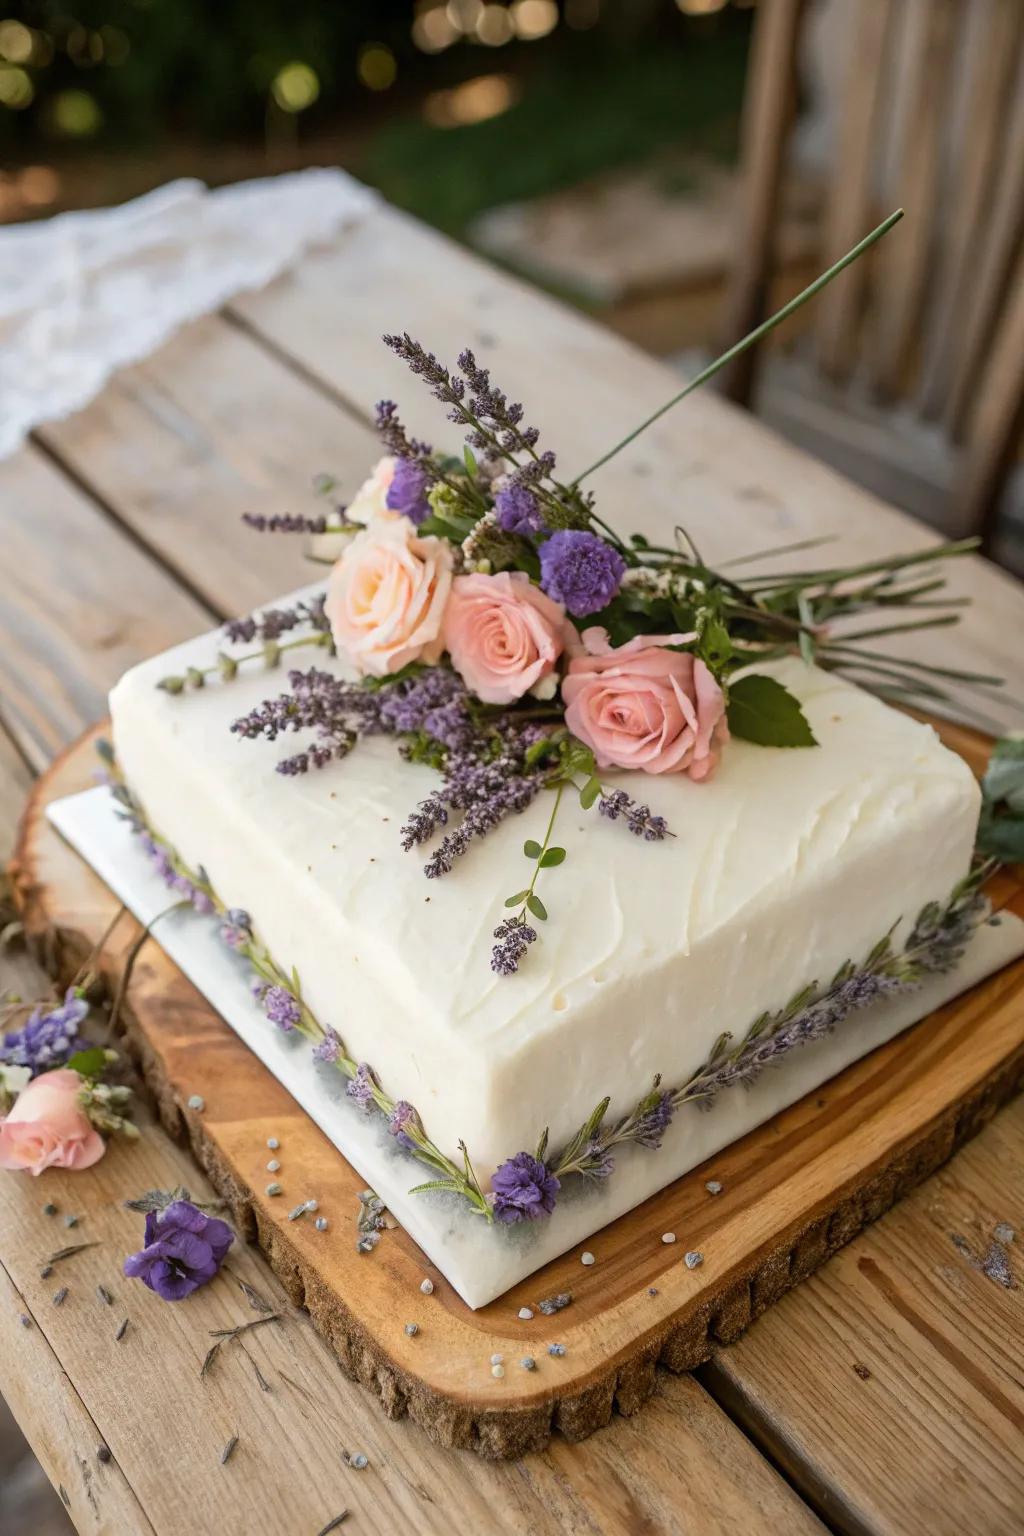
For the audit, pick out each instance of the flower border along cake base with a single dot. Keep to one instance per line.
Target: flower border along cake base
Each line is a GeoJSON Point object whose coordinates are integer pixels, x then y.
{"type": "Point", "coordinates": [791, 1192]}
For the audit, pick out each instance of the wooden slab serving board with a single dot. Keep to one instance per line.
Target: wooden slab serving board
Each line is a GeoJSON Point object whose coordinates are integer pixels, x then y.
{"type": "Point", "coordinates": [793, 1191]}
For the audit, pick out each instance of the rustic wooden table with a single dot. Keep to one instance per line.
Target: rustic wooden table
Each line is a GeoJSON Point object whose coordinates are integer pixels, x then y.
{"type": "Point", "coordinates": [885, 1394]}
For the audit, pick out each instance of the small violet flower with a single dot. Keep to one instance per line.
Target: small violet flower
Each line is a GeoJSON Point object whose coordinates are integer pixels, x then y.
{"type": "Point", "coordinates": [184, 1249]}
{"type": "Point", "coordinates": [402, 1115]}
{"type": "Point", "coordinates": [517, 511]}
{"type": "Point", "coordinates": [523, 1188]}
{"type": "Point", "coordinates": [329, 1048]}
{"type": "Point", "coordinates": [361, 1087]}
{"type": "Point", "coordinates": [236, 928]}
{"type": "Point", "coordinates": [580, 570]}
{"type": "Point", "coordinates": [48, 1037]}
{"type": "Point", "coordinates": [282, 1008]}
{"type": "Point", "coordinates": [407, 493]}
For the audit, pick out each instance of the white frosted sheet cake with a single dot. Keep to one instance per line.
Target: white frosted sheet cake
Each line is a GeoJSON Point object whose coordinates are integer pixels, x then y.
{"type": "Point", "coordinates": [785, 866]}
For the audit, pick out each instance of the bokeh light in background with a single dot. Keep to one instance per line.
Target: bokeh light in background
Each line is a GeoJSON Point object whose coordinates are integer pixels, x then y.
{"type": "Point", "coordinates": [472, 102]}
{"type": "Point", "coordinates": [295, 87]}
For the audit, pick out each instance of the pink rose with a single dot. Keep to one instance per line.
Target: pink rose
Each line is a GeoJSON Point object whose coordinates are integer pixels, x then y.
{"type": "Point", "coordinates": [48, 1128]}
{"type": "Point", "coordinates": [386, 597]}
{"type": "Point", "coordinates": [642, 706]}
{"type": "Point", "coordinates": [504, 635]}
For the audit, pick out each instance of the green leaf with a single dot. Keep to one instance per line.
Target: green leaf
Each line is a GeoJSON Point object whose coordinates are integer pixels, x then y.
{"type": "Point", "coordinates": [806, 613]}
{"type": "Point", "coordinates": [715, 645]}
{"type": "Point", "coordinates": [577, 758]}
{"type": "Point", "coordinates": [1002, 838]}
{"type": "Point", "coordinates": [537, 907]}
{"type": "Point", "coordinates": [589, 793]}
{"type": "Point", "coordinates": [552, 857]}
{"type": "Point", "coordinates": [447, 1184]}
{"type": "Point", "coordinates": [468, 455]}
{"type": "Point", "coordinates": [763, 711]}
{"type": "Point", "coordinates": [532, 848]}
{"type": "Point", "coordinates": [539, 749]}
{"type": "Point", "coordinates": [89, 1063]}
{"type": "Point", "coordinates": [1004, 777]}
{"type": "Point", "coordinates": [516, 900]}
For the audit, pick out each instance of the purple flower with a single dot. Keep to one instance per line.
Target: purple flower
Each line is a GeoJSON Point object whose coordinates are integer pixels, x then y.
{"type": "Point", "coordinates": [517, 510]}
{"type": "Point", "coordinates": [184, 1249]}
{"type": "Point", "coordinates": [580, 570]}
{"type": "Point", "coordinates": [514, 936]}
{"type": "Point", "coordinates": [282, 1008]}
{"type": "Point", "coordinates": [401, 1116]}
{"type": "Point", "coordinates": [407, 492]}
{"type": "Point", "coordinates": [329, 1048]}
{"type": "Point", "coordinates": [48, 1037]}
{"type": "Point", "coordinates": [523, 1189]}
{"type": "Point", "coordinates": [361, 1088]}
{"type": "Point", "coordinates": [652, 1124]}
{"type": "Point", "coordinates": [236, 928]}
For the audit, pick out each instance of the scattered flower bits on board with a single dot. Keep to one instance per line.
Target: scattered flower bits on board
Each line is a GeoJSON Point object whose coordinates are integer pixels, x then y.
{"type": "Point", "coordinates": [552, 1304]}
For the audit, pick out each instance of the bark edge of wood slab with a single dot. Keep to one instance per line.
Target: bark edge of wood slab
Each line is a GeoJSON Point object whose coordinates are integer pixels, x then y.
{"type": "Point", "coordinates": [814, 1175]}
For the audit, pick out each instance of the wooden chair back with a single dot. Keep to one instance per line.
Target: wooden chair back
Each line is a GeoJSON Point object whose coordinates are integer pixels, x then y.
{"type": "Point", "coordinates": [928, 331]}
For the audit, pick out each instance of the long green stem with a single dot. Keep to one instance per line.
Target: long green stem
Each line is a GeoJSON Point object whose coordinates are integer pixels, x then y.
{"type": "Point", "coordinates": [751, 340]}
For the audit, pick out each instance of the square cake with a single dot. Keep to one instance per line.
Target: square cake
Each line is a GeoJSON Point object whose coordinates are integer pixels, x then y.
{"type": "Point", "coordinates": [783, 875]}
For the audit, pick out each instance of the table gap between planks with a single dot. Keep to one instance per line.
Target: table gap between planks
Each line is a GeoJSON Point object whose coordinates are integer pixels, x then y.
{"type": "Point", "coordinates": [122, 526]}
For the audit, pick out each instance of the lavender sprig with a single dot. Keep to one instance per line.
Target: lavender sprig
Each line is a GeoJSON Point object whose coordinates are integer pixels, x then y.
{"type": "Point", "coordinates": [272, 623]}
{"type": "Point", "coordinates": [495, 428]}
{"type": "Point", "coordinates": [286, 522]}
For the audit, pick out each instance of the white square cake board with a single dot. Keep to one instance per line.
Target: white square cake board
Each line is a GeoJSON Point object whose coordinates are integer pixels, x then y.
{"type": "Point", "coordinates": [482, 1261]}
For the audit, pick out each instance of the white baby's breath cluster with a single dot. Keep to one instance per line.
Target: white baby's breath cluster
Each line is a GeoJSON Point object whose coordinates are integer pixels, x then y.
{"type": "Point", "coordinates": [662, 581]}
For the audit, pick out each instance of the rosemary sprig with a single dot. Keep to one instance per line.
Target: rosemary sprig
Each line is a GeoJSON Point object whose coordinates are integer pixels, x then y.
{"type": "Point", "coordinates": [226, 666]}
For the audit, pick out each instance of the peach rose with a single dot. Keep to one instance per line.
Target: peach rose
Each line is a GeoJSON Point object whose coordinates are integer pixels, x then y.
{"type": "Point", "coordinates": [371, 499]}
{"type": "Point", "coordinates": [644, 707]}
{"type": "Point", "coordinates": [48, 1128]}
{"type": "Point", "coordinates": [504, 635]}
{"type": "Point", "coordinates": [386, 597]}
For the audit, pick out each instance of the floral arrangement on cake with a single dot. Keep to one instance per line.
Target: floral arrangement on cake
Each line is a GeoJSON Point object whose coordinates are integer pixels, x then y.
{"type": "Point", "coordinates": [505, 633]}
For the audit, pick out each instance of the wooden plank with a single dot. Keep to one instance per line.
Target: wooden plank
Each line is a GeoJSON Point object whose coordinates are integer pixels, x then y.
{"type": "Point", "coordinates": [996, 417]}
{"type": "Point", "coordinates": [850, 212]}
{"type": "Point", "coordinates": [81, 604]}
{"type": "Point", "coordinates": [768, 105]}
{"type": "Point", "coordinates": [53, 1418]}
{"type": "Point", "coordinates": [73, 1386]}
{"type": "Point", "coordinates": [928, 44]}
{"type": "Point", "coordinates": [890, 1388]}
{"type": "Point", "coordinates": [15, 779]}
{"type": "Point", "coordinates": [991, 54]}
{"type": "Point", "coordinates": [210, 427]}
{"type": "Point", "coordinates": [736, 485]}
{"type": "Point", "coordinates": [990, 290]}
{"type": "Point", "coordinates": [795, 1189]}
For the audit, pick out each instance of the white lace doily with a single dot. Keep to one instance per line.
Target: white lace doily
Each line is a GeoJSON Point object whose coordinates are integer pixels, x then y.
{"type": "Point", "coordinates": [83, 294]}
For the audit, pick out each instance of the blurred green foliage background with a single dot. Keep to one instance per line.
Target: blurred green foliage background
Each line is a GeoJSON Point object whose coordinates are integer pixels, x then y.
{"type": "Point", "coordinates": [450, 106]}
